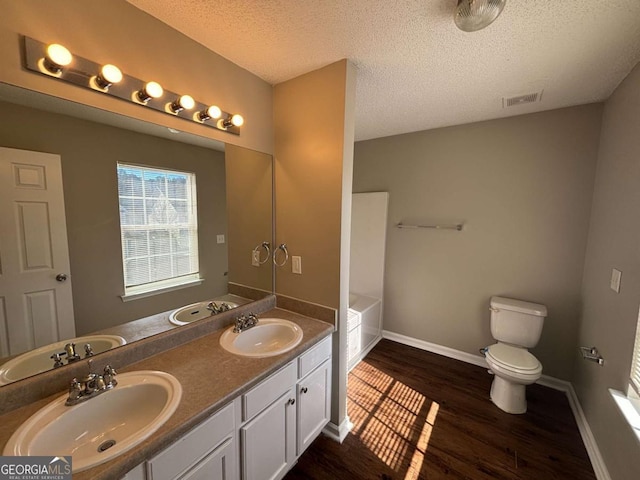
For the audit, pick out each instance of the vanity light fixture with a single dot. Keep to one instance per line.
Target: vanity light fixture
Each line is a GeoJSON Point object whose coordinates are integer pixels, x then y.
{"type": "Point", "coordinates": [109, 74]}
{"type": "Point", "coordinates": [211, 112]}
{"type": "Point", "coordinates": [149, 91]}
{"type": "Point", "coordinates": [234, 120]}
{"type": "Point", "coordinates": [56, 57]}
{"type": "Point", "coordinates": [56, 61]}
{"type": "Point", "coordinates": [183, 102]}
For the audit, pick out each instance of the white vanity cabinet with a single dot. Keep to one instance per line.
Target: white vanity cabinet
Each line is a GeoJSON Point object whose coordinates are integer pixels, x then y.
{"type": "Point", "coordinates": [208, 452]}
{"type": "Point", "coordinates": [283, 414]}
{"type": "Point", "coordinates": [313, 393]}
{"type": "Point", "coordinates": [261, 434]}
{"type": "Point", "coordinates": [268, 431]}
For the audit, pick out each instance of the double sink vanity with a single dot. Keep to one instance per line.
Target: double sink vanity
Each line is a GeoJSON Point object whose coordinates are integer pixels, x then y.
{"type": "Point", "coordinates": [219, 398]}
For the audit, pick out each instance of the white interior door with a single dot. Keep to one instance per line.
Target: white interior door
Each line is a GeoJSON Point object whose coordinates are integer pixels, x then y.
{"type": "Point", "coordinates": [36, 306]}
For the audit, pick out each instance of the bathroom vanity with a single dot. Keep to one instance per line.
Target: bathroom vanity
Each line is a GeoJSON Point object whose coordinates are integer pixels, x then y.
{"type": "Point", "coordinates": [260, 434]}
{"type": "Point", "coordinates": [239, 417]}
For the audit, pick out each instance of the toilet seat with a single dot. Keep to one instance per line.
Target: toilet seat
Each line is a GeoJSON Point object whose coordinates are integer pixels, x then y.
{"type": "Point", "coordinates": [514, 359]}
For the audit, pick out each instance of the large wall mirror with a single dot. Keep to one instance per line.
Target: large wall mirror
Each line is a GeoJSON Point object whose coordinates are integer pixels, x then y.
{"type": "Point", "coordinates": [234, 216]}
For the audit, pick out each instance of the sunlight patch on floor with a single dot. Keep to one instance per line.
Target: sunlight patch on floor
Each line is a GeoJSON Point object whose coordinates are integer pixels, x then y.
{"type": "Point", "coordinates": [391, 419]}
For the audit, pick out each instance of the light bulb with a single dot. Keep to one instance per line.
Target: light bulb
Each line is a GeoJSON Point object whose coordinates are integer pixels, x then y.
{"type": "Point", "coordinates": [187, 102]}
{"type": "Point", "coordinates": [149, 91]}
{"type": "Point", "coordinates": [154, 89]}
{"type": "Point", "coordinates": [181, 103]}
{"type": "Point", "coordinates": [109, 74]}
{"type": "Point", "coordinates": [212, 112]}
{"type": "Point", "coordinates": [234, 120]}
{"type": "Point", "coordinates": [57, 57]}
{"type": "Point", "coordinates": [237, 120]}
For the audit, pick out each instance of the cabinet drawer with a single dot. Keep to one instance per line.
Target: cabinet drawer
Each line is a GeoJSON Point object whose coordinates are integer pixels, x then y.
{"type": "Point", "coordinates": [263, 394]}
{"type": "Point", "coordinates": [314, 357]}
{"type": "Point", "coordinates": [189, 449]}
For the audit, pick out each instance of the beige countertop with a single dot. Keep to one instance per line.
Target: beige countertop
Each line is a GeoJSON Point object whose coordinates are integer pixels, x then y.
{"type": "Point", "coordinates": [210, 378]}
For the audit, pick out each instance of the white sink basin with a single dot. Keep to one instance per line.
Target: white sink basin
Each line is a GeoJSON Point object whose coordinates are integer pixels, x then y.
{"type": "Point", "coordinates": [140, 404]}
{"type": "Point", "coordinates": [39, 360]}
{"type": "Point", "coordinates": [271, 336]}
{"type": "Point", "coordinates": [195, 311]}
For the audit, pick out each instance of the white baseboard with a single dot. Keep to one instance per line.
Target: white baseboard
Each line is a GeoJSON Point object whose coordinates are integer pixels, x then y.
{"type": "Point", "coordinates": [338, 433]}
{"type": "Point", "coordinates": [433, 348]}
{"type": "Point", "coordinates": [597, 462]}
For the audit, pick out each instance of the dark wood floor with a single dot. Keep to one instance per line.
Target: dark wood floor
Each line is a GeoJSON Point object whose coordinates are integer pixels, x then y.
{"type": "Point", "coordinates": [418, 415]}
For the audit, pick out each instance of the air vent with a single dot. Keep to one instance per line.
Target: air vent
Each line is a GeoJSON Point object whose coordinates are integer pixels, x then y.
{"type": "Point", "coordinates": [521, 99]}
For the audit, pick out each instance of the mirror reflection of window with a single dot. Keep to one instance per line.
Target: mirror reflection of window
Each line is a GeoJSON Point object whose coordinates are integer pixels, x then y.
{"type": "Point", "coordinates": [159, 228]}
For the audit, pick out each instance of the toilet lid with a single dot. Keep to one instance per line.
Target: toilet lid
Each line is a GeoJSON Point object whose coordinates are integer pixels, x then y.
{"type": "Point", "coordinates": [514, 358]}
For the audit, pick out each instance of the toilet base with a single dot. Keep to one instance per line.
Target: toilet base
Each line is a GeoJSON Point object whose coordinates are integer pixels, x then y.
{"type": "Point", "coordinates": [508, 396]}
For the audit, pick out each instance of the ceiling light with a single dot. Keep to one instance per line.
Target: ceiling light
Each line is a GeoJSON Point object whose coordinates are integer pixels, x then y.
{"type": "Point", "coordinates": [57, 57]}
{"type": "Point", "coordinates": [149, 91]}
{"type": "Point", "coordinates": [184, 102]}
{"type": "Point", "coordinates": [473, 15]}
{"type": "Point", "coordinates": [109, 74]}
{"type": "Point", "coordinates": [212, 112]}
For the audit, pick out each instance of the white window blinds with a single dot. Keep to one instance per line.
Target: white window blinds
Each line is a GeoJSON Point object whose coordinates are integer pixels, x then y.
{"type": "Point", "coordinates": [158, 224]}
{"type": "Point", "coordinates": [635, 364]}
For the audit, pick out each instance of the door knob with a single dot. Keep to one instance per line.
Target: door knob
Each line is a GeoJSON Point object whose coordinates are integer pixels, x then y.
{"type": "Point", "coordinates": [61, 277]}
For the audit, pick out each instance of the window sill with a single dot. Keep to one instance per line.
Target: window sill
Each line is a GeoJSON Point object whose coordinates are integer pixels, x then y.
{"type": "Point", "coordinates": [628, 410]}
{"type": "Point", "coordinates": [127, 297]}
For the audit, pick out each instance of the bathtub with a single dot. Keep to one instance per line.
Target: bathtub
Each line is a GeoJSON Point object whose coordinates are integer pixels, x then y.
{"type": "Point", "coordinates": [364, 326]}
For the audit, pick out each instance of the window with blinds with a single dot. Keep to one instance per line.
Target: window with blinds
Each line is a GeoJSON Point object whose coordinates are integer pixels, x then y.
{"type": "Point", "coordinates": [159, 227]}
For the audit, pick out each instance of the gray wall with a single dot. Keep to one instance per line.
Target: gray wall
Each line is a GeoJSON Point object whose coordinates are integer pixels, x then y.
{"type": "Point", "coordinates": [89, 153]}
{"type": "Point", "coordinates": [609, 319]}
{"type": "Point", "coordinates": [523, 187]}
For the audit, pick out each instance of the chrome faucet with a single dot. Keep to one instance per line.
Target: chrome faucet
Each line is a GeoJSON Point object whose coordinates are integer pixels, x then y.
{"type": "Point", "coordinates": [91, 386]}
{"type": "Point", "coordinates": [71, 354]}
{"type": "Point", "coordinates": [214, 308]}
{"type": "Point", "coordinates": [244, 323]}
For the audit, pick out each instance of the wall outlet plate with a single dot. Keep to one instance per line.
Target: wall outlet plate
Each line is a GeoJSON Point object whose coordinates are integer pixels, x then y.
{"type": "Point", "coordinates": [296, 265]}
{"type": "Point", "coordinates": [220, 238]}
{"type": "Point", "coordinates": [616, 276]}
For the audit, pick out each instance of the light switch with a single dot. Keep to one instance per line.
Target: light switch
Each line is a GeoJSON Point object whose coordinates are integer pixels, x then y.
{"type": "Point", "coordinates": [296, 265]}
{"type": "Point", "coordinates": [616, 275]}
{"type": "Point", "coordinates": [220, 238]}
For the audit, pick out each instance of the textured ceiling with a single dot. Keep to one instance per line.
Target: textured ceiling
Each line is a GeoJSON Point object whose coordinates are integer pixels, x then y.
{"type": "Point", "coordinates": [416, 70]}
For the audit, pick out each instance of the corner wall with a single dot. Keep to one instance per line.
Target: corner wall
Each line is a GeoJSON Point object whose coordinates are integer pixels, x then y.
{"type": "Point", "coordinates": [522, 186]}
{"type": "Point", "coordinates": [116, 32]}
{"type": "Point", "coordinates": [313, 154]}
{"type": "Point", "coordinates": [609, 319]}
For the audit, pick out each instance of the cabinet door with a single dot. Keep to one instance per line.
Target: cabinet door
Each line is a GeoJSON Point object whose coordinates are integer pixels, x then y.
{"type": "Point", "coordinates": [268, 441]}
{"type": "Point", "coordinates": [218, 465]}
{"type": "Point", "coordinates": [314, 405]}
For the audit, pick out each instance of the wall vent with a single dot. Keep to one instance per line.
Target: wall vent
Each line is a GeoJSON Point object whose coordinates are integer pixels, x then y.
{"type": "Point", "coordinates": [521, 99]}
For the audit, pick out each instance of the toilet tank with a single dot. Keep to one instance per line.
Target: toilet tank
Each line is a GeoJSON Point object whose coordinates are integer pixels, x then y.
{"type": "Point", "coordinates": [517, 322]}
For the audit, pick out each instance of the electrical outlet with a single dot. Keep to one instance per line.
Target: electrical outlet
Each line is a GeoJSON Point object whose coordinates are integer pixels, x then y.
{"type": "Point", "coordinates": [220, 238]}
{"type": "Point", "coordinates": [255, 258]}
{"type": "Point", "coordinates": [616, 276]}
{"type": "Point", "coordinates": [296, 265]}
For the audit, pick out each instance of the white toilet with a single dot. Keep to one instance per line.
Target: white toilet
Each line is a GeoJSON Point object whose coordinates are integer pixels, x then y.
{"type": "Point", "coordinates": [517, 326]}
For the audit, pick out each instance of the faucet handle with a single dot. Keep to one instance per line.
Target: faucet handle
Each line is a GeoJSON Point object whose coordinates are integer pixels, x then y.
{"type": "Point", "coordinates": [57, 361]}
{"type": "Point", "coordinates": [88, 350]}
{"type": "Point", "coordinates": [109, 376]}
